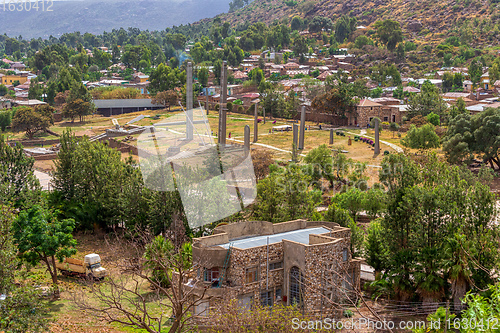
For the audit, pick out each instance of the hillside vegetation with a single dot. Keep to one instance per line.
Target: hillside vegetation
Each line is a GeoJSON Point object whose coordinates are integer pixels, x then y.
{"type": "Point", "coordinates": [429, 20]}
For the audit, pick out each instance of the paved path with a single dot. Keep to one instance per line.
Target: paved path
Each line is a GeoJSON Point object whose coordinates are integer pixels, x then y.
{"type": "Point", "coordinates": [44, 179]}
{"type": "Point", "coordinates": [392, 145]}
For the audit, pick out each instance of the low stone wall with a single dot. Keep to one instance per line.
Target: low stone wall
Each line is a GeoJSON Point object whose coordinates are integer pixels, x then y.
{"type": "Point", "coordinates": [325, 118]}
{"type": "Point", "coordinates": [31, 143]}
{"type": "Point", "coordinates": [121, 146]}
{"type": "Point", "coordinates": [45, 157]}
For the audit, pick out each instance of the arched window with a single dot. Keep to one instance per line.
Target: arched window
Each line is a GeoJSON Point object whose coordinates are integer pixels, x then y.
{"type": "Point", "coordinates": [295, 286]}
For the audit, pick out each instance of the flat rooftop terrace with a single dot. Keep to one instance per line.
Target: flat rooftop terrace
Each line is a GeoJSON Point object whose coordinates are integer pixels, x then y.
{"type": "Point", "coordinates": [299, 236]}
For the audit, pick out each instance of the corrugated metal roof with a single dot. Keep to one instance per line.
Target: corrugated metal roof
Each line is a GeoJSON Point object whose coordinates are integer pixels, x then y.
{"type": "Point", "coordinates": [299, 236]}
{"type": "Point", "coordinates": [125, 103]}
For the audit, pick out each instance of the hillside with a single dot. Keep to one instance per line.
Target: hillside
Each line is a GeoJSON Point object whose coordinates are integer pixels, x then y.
{"type": "Point", "coordinates": [96, 16]}
{"type": "Point", "coordinates": [429, 19]}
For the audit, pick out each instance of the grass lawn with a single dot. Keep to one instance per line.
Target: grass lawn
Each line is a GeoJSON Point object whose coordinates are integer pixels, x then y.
{"type": "Point", "coordinates": [358, 151]}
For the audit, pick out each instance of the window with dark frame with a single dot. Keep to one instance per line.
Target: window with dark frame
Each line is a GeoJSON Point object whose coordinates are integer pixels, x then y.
{"type": "Point", "coordinates": [211, 274]}
{"type": "Point", "coordinates": [295, 286]}
{"type": "Point", "coordinates": [275, 265]}
{"type": "Point", "coordinates": [266, 298]}
{"type": "Point", "coordinates": [251, 275]}
{"type": "Point", "coordinates": [277, 295]}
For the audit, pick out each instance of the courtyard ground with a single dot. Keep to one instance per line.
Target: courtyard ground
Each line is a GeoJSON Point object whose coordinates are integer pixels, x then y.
{"type": "Point", "coordinates": [64, 313]}
{"type": "Point", "coordinates": [279, 142]}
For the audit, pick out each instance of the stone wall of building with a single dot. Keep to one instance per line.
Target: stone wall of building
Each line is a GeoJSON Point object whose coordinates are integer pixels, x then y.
{"type": "Point", "coordinates": [321, 264]}
{"type": "Point", "coordinates": [384, 113]}
{"type": "Point", "coordinates": [324, 270]}
{"type": "Point", "coordinates": [243, 259]}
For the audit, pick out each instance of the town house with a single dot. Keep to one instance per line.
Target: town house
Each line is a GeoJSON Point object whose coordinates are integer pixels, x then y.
{"type": "Point", "coordinates": [297, 262]}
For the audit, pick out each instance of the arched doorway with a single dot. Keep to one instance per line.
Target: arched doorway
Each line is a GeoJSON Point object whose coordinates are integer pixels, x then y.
{"type": "Point", "coordinates": [295, 286]}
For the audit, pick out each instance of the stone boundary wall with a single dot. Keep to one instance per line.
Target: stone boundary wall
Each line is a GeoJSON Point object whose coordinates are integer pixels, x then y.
{"type": "Point", "coordinates": [44, 157]}
{"type": "Point", "coordinates": [29, 143]}
{"type": "Point", "coordinates": [123, 147]}
{"type": "Point", "coordinates": [325, 118]}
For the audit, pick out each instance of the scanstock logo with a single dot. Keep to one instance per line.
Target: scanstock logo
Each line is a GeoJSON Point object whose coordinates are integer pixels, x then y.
{"type": "Point", "coordinates": [214, 181]}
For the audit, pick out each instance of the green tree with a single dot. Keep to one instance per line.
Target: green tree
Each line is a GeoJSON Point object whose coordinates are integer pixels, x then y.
{"type": "Point", "coordinates": [459, 108]}
{"type": "Point", "coordinates": [431, 207]}
{"type": "Point", "coordinates": [5, 120]}
{"type": "Point", "coordinates": [300, 45]}
{"type": "Point", "coordinates": [164, 78]}
{"type": "Point", "coordinates": [494, 71]}
{"type": "Point", "coordinates": [32, 120]}
{"type": "Point", "coordinates": [473, 135]}
{"type": "Point", "coordinates": [339, 99]}
{"type": "Point", "coordinates": [35, 91]}
{"type": "Point", "coordinates": [458, 80]}
{"type": "Point", "coordinates": [51, 93]}
{"type": "Point", "coordinates": [132, 55]}
{"type": "Point", "coordinates": [285, 195]}
{"type": "Point", "coordinates": [374, 202]}
{"type": "Point", "coordinates": [447, 81]}
{"type": "Point", "coordinates": [203, 76]}
{"type": "Point", "coordinates": [18, 184]}
{"type": "Point", "coordinates": [361, 41]}
{"type": "Point", "coordinates": [296, 23]}
{"type": "Point", "coordinates": [475, 72]}
{"type": "Point", "coordinates": [376, 92]}
{"type": "Point", "coordinates": [433, 119]}
{"type": "Point", "coordinates": [320, 164]}
{"type": "Point", "coordinates": [159, 250]}
{"type": "Point", "coordinates": [352, 200]}
{"type": "Point", "coordinates": [482, 307]}
{"type": "Point", "coordinates": [344, 219]}
{"type": "Point", "coordinates": [344, 27]}
{"type": "Point", "coordinates": [273, 100]}
{"type": "Point", "coordinates": [8, 251]}
{"type": "Point", "coordinates": [41, 237]}
{"type": "Point", "coordinates": [375, 247]}
{"type": "Point", "coordinates": [24, 311]}
{"type": "Point", "coordinates": [421, 138]}
{"type": "Point", "coordinates": [94, 186]}
{"type": "Point", "coordinates": [3, 90]}
{"type": "Point", "coordinates": [256, 75]}
{"type": "Point", "coordinates": [394, 127]}
{"type": "Point", "coordinates": [389, 32]}
{"type": "Point", "coordinates": [318, 23]}
{"type": "Point", "coordinates": [428, 100]}
{"type": "Point", "coordinates": [115, 53]}
{"type": "Point", "coordinates": [76, 108]}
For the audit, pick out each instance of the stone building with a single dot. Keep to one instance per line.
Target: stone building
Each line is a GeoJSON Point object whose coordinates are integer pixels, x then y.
{"type": "Point", "coordinates": [386, 110]}
{"type": "Point", "coordinates": [296, 262]}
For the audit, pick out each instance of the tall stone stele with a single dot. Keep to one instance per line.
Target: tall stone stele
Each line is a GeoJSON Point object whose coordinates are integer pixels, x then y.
{"type": "Point", "coordinates": [256, 123]}
{"type": "Point", "coordinates": [294, 142]}
{"type": "Point", "coordinates": [246, 139]}
{"type": "Point", "coordinates": [223, 105]}
{"type": "Point", "coordinates": [302, 127]}
{"type": "Point", "coordinates": [189, 101]}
